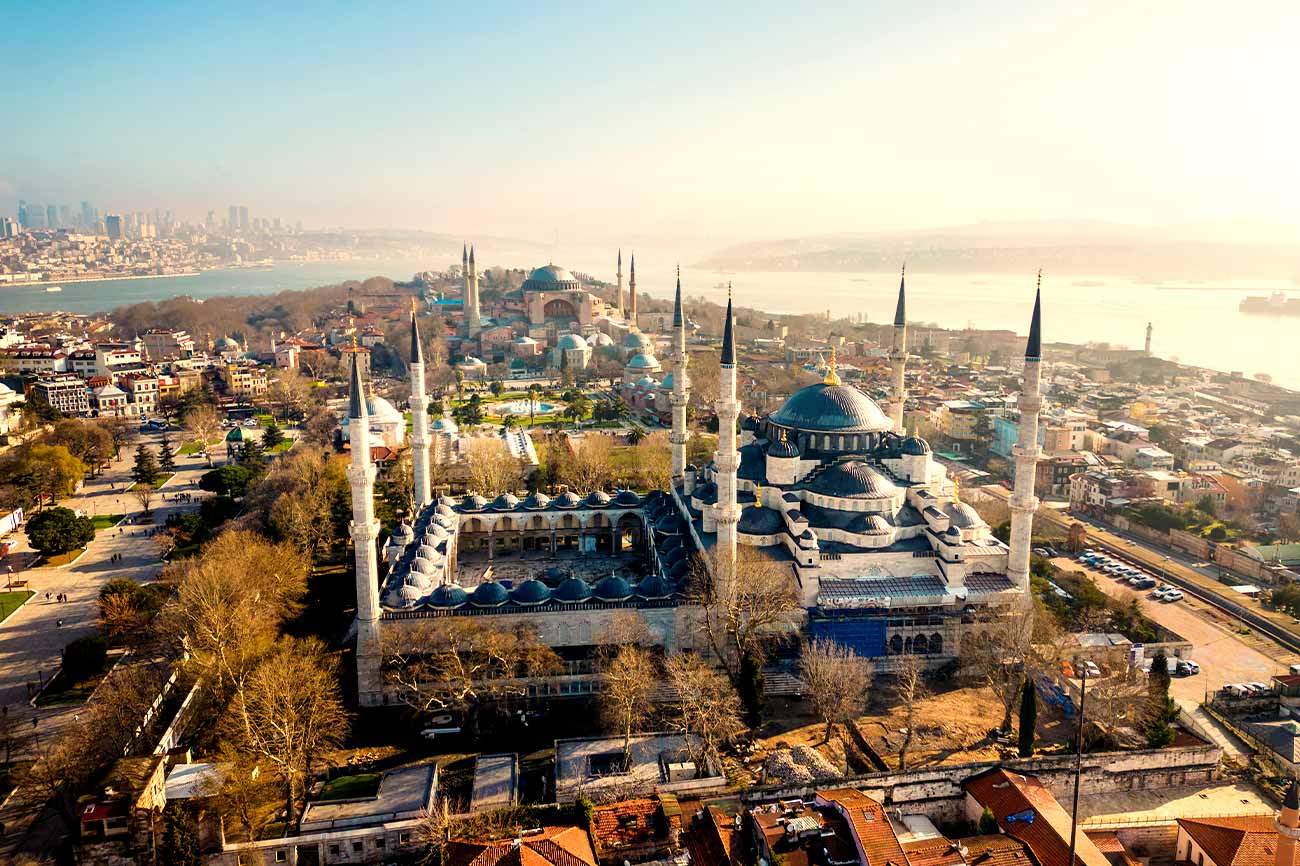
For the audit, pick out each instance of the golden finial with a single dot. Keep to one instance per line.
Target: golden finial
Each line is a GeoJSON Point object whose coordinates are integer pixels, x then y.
{"type": "Point", "coordinates": [832, 377]}
{"type": "Point", "coordinates": [758, 495]}
{"type": "Point", "coordinates": [354, 342]}
{"type": "Point", "coordinates": [956, 488]}
{"type": "Point", "coordinates": [782, 434]}
{"type": "Point", "coordinates": [728, 290]}
{"type": "Point", "coordinates": [413, 305]}
{"type": "Point", "coordinates": [1040, 279]}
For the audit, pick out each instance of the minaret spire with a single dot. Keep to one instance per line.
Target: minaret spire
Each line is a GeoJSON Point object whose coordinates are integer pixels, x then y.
{"type": "Point", "coordinates": [681, 385]}
{"type": "Point", "coordinates": [1025, 454]}
{"type": "Point", "coordinates": [898, 357]}
{"type": "Point", "coordinates": [473, 317]}
{"type": "Point", "coordinates": [419, 420]}
{"type": "Point", "coordinates": [365, 532]}
{"type": "Point", "coordinates": [631, 286]}
{"type": "Point", "coordinates": [622, 311]}
{"type": "Point", "coordinates": [727, 458]}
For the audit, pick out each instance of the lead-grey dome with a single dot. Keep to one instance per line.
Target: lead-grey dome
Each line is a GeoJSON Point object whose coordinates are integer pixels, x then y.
{"type": "Point", "coordinates": [833, 408]}
{"type": "Point", "coordinates": [550, 278]}
{"type": "Point", "coordinates": [571, 341]}
{"type": "Point", "coordinates": [853, 479]}
{"type": "Point", "coordinates": [915, 445]}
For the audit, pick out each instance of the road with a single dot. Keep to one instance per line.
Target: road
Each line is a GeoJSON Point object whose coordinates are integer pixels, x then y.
{"type": "Point", "coordinates": [33, 637]}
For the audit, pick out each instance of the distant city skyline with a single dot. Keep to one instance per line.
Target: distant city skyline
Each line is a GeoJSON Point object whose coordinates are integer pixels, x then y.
{"type": "Point", "coordinates": [719, 123]}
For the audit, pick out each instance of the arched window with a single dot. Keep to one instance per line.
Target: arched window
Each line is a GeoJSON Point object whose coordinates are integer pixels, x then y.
{"type": "Point", "coordinates": [895, 645]}
{"type": "Point", "coordinates": [936, 643]}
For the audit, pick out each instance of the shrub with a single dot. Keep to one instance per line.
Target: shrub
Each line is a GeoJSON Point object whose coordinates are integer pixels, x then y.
{"type": "Point", "coordinates": [85, 656]}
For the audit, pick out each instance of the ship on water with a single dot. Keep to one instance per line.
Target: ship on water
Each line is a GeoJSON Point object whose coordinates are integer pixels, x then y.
{"type": "Point", "coordinates": [1277, 304]}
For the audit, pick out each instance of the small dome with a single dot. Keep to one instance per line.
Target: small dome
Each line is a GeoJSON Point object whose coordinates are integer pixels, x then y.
{"type": "Point", "coordinates": [571, 341]}
{"type": "Point", "coordinates": [601, 340]}
{"type": "Point", "coordinates": [572, 591]}
{"type": "Point", "coordinates": [530, 592]}
{"type": "Point", "coordinates": [426, 567]}
{"type": "Point", "coordinates": [760, 521]}
{"type": "Point", "coordinates": [627, 497]}
{"type": "Point", "coordinates": [953, 534]}
{"type": "Point", "coordinates": [226, 344]}
{"type": "Point", "coordinates": [567, 499]}
{"type": "Point", "coordinates": [418, 580]}
{"type": "Point", "coordinates": [749, 423]}
{"type": "Point", "coordinates": [428, 552]}
{"type": "Point", "coordinates": [404, 530]}
{"type": "Point", "coordinates": [444, 509]}
{"type": "Point", "coordinates": [448, 595]}
{"type": "Point", "coordinates": [963, 516]}
{"type": "Point", "coordinates": [706, 493]}
{"type": "Point", "coordinates": [643, 361]}
{"type": "Point", "coordinates": [598, 499]}
{"type": "Point", "coordinates": [549, 277]}
{"type": "Point", "coordinates": [669, 524]}
{"type": "Point", "coordinates": [505, 502]}
{"type": "Point", "coordinates": [783, 449]}
{"type": "Point", "coordinates": [446, 500]}
{"type": "Point", "coordinates": [435, 533]}
{"type": "Point", "coordinates": [409, 595]}
{"type": "Point", "coordinates": [380, 409]}
{"type": "Point", "coordinates": [646, 382]}
{"type": "Point", "coordinates": [474, 502]}
{"type": "Point", "coordinates": [667, 383]}
{"type": "Point", "coordinates": [853, 479]}
{"type": "Point", "coordinates": [612, 588]}
{"type": "Point", "coordinates": [871, 524]}
{"type": "Point", "coordinates": [489, 594]}
{"type": "Point", "coordinates": [447, 523]}
{"type": "Point", "coordinates": [654, 588]}
{"type": "Point", "coordinates": [554, 575]}
{"type": "Point", "coordinates": [914, 445]}
{"type": "Point", "coordinates": [636, 340]}
{"type": "Point", "coordinates": [537, 499]}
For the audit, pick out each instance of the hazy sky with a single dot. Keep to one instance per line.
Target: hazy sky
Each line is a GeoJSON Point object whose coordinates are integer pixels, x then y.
{"type": "Point", "coordinates": [668, 120]}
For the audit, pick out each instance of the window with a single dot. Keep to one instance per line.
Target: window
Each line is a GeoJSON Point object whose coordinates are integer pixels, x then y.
{"type": "Point", "coordinates": [357, 846]}
{"type": "Point", "coordinates": [334, 850]}
{"type": "Point", "coordinates": [403, 837]}
{"type": "Point", "coordinates": [379, 843]}
{"type": "Point", "coordinates": [281, 856]}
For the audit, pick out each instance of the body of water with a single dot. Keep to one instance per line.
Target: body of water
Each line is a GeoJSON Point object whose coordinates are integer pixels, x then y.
{"type": "Point", "coordinates": [1193, 323]}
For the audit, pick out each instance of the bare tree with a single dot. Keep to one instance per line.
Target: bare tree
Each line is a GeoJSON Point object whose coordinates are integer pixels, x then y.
{"type": "Point", "coordinates": [144, 494]}
{"type": "Point", "coordinates": [627, 682]}
{"type": "Point", "coordinates": [122, 431]}
{"type": "Point", "coordinates": [290, 392]}
{"type": "Point", "coordinates": [204, 425]}
{"type": "Point", "coordinates": [296, 500]}
{"type": "Point", "coordinates": [461, 663]}
{"type": "Point", "coordinates": [742, 617]}
{"type": "Point", "coordinates": [708, 710]}
{"type": "Point", "coordinates": [319, 428]}
{"type": "Point", "coordinates": [588, 464]}
{"type": "Point", "coordinates": [997, 652]}
{"type": "Point", "coordinates": [910, 687]}
{"type": "Point", "coordinates": [432, 830]}
{"type": "Point", "coordinates": [837, 679]}
{"type": "Point", "coordinates": [290, 713]}
{"type": "Point", "coordinates": [654, 461]}
{"type": "Point", "coordinates": [491, 468]}
{"type": "Point", "coordinates": [244, 791]}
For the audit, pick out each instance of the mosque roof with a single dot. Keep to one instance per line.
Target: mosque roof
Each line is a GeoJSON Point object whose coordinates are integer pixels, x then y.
{"type": "Point", "coordinates": [530, 592]}
{"type": "Point", "coordinates": [571, 341]}
{"type": "Point", "coordinates": [643, 361]}
{"type": "Point", "coordinates": [853, 479]}
{"type": "Point", "coordinates": [783, 448]}
{"type": "Point", "coordinates": [489, 594]}
{"type": "Point", "coordinates": [448, 595]}
{"type": "Point", "coordinates": [572, 590]}
{"type": "Point", "coordinates": [551, 274]}
{"type": "Point", "coordinates": [612, 588]}
{"type": "Point", "coordinates": [636, 340]}
{"type": "Point", "coordinates": [962, 515]}
{"type": "Point", "coordinates": [654, 587]}
{"type": "Point", "coordinates": [914, 445]}
{"type": "Point", "coordinates": [822, 407]}
{"type": "Point", "coordinates": [760, 521]}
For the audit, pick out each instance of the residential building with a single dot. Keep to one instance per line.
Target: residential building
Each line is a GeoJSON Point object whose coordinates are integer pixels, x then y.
{"type": "Point", "coordinates": [166, 344]}
{"type": "Point", "coordinates": [65, 393]}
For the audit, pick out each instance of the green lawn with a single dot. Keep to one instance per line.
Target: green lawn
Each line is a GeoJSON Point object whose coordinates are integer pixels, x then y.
{"type": "Point", "coordinates": [282, 447]}
{"type": "Point", "coordinates": [264, 420]}
{"type": "Point", "coordinates": [63, 558]}
{"type": "Point", "coordinates": [12, 600]}
{"type": "Point", "coordinates": [62, 691]}
{"type": "Point", "coordinates": [105, 521]}
{"type": "Point", "coordinates": [190, 448]}
{"type": "Point", "coordinates": [351, 787]}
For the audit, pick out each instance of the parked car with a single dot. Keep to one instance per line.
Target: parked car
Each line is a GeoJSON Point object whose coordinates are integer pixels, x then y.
{"type": "Point", "coordinates": [1188, 668]}
{"type": "Point", "coordinates": [1173, 595]}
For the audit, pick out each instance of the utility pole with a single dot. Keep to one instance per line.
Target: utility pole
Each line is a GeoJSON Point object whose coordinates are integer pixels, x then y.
{"type": "Point", "coordinates": [1078, 760]}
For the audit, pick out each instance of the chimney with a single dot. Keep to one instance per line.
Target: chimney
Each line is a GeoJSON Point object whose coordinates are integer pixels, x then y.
{"type": "Point", "coordinates": [1288, 826]}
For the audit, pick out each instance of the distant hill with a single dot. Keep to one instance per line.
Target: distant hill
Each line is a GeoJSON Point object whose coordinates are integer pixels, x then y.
{"type": "Point", "coordinates": [1203, 251]}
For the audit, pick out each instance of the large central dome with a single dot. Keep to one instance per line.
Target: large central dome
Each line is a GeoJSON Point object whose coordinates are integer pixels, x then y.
{"type": "Point", "coordinates": [837, 408]}
{"type": "Point", "coordinates": [550, 278]}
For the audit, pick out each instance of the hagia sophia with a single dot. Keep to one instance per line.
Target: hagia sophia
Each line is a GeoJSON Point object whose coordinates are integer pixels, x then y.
{"type": "Point", "coordinates": [884, 556]}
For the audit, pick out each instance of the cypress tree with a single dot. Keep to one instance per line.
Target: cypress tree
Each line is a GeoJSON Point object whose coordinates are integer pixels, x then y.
{"type": "Point", "coordinates": [166, 456]}
{"type": "Point", "coordinates": [145, 470]}
{"type": "Point", "coordinates": [1028, 717]}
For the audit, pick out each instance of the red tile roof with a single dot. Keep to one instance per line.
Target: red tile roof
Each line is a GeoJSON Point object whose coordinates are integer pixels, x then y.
{"type": "Point", "coordinates": [626, 824]}
{"type": "Point", "coordinates": [933, 852]}
{"type": "Point", "coordinates": [1038, 819]}
{"type": "Point", "coordinates": [711, 838]}
{"type": "Point", "coordinates": [553, 846]}
{"type": "Point", "coordinates": [1243, 841]}
{"type": "Point", "coordinates": [995, 850]}
{"type": "Point", "coordinates": [871, 828]}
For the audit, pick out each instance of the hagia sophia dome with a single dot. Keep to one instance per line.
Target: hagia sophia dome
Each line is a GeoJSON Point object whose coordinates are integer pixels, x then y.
{"type": "Point", "coordinates": [550, 278]}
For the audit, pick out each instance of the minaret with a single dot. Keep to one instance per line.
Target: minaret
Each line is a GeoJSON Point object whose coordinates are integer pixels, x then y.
{"type": "Point", "coordinates": [1147, 351]}
{"type": "Point", "coordinates": [473, 322]}
{"type": "Point", "coordinates": [419, 419]}
{"type": "Point", "coordinates": [622, 311]}
{"type": "Point", "coordinates": [631, 287]}
{"type": "Point", "coordinates": [1288, 826]}
{"type": "Point", "coordinates": [365, 531]}
{"type": "Point", "coordinates": [898, 357]}
{"type": "Point", "coordinates": [681, 385]}
{"type": "Point", "coordinates": [726, 457]}
{"type": "Point", "coordinates": [1023, 502]}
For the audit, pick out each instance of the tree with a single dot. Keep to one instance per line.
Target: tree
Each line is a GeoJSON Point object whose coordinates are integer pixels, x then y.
{"type": "Point", "coordinates": [144, 494]}
{"type": "Point", "coordinates": [997, 654]}
{"type": "Point", "coordinates": [910, 687]}
{"type": "Point", "coordinates": [463, 663]}
{"type": "Point", "coordinates": [40, 470]}
{"type": "Point", "coordinates": [56, 531]}
{"type": "Point", "coordinates": [470, 413]}
{"type": "Point", "coordinates": [837, 680]}
{"type": "Point", "coordinates": [251, 457]}
{"type": "Point", "coordinates": [290, 392]}
{"type": "Point", "coordinates": [587, 464]}
{"type": "Point", "coordinates": [204, 425]}
{"type": "Point", "coordinates": [89, 442]}
{"type": "Point", "coordinates": [1161, 710]}
{"type": "Point", "coordinates": [743, 617]}
{"type": "Point", "coordinates": [179, 845]}
{"type": "Point", "coordinates": [1028, 718]}
{"type": "Point", "coordinates": [628, 680]}
{"type": "Point", "coordinates": [496, 387]}
{"type": "Point", "coordinates": [319, 429]}
{"type": "Point", "coordinates": [654, 461]}
{"type": "Point", "coordinates": [272, 435]}
{"type": "Point", "coordinates": [290, 713]}
{"type": "Point", "coordinates": [123, 432]}
{"type": "Point", "coordinates": [166, 456]}
{"type": "Point", "coordinates": [232, 480]}
{"type": "Point", "coordinates": [988, 823]}
{"type": "Point", "coordinates": [490, 467]}
{"type": "Point", "coordinates": [708, 711]}
{"type": "Point", "coordinates": [145, 470]}
{"type": "Point", "coordinates": [577, 409]}
{"type": "Point", "coordinates": [635, 435]}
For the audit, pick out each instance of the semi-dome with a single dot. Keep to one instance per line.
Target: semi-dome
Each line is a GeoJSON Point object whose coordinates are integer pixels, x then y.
{"type": "Point", "coordinates": [530, 592]}
{"type": "Point", "coordinates": [853, 479]}
{"type": "Point", "coordinates": [571, 341]}
{"type": "Point", "coordinates": [489, 594]}
{"type": "Point", "coordinates": [550, 277]}
{"type": "Point", "coordinates": [760, 521]}
{"type": "Point", "coordinates": [914, 445]}
{"type": "Point", "coordinates": [654, 588]}
{"type": "Point", "coordinates": [448, 595]}
{"type": "Point", "coordinates": [831, 408]}
{"type": "Point", "coordinates": [572, 591]}
{"type": "Point", "coordinates": [871, 524]}
{"type": "Point", "coordinates": [612, 588]}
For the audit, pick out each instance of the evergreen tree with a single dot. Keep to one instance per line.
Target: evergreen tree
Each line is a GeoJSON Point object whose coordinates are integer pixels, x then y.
{"type": "Point", "coordinates": [751, 690]}
{"type": "Point", "coordinates": [166, 456]}
{"type": "Point", "coordinates": [988, 825]}
{"type": "Point", "coordinates": [1028, 717]}
{"type": "Point", "coordinates": [251, 457]}
{"type": "Point", "coordinates": [1161, 710]}
{"type": "Point", "coordinates": [179, 845]}
{"type": "Point", "coordinates": [145, 470]}
{"type": "Point", "coordinates": [272, 436]}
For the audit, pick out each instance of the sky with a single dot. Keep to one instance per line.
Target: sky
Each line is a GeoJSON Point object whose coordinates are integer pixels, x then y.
{"type": "Point", "coordinates": [715, 122]}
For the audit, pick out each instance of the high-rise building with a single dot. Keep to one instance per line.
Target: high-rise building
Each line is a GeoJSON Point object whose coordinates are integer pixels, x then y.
{"type": "Point", "coordinates": [51, 216]}
{"type": "Point", "coordinates": [87, 215]}
{"type": "Point", "coordinates": [65, 215]}
{"type": "Point", "coordinates": [211, 222]}
{"type": "Point", "coordinates": [23, 217]}
{"type": "Point", "coordinates": [113, 226]}
{"type": "Point", "coordinates": [243, 218]}
{"type": "Point", "coordinates": [9, 227]}
{"type": "Point", "coordinates": [233, 219]}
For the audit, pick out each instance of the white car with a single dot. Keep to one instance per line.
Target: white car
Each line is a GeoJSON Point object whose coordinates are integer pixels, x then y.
{"type": "Point", "coordinates": [1173, 595]}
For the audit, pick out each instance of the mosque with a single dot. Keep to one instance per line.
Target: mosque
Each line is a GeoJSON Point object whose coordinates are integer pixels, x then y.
{"type": "Point", "coordinates": [884, 555]}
